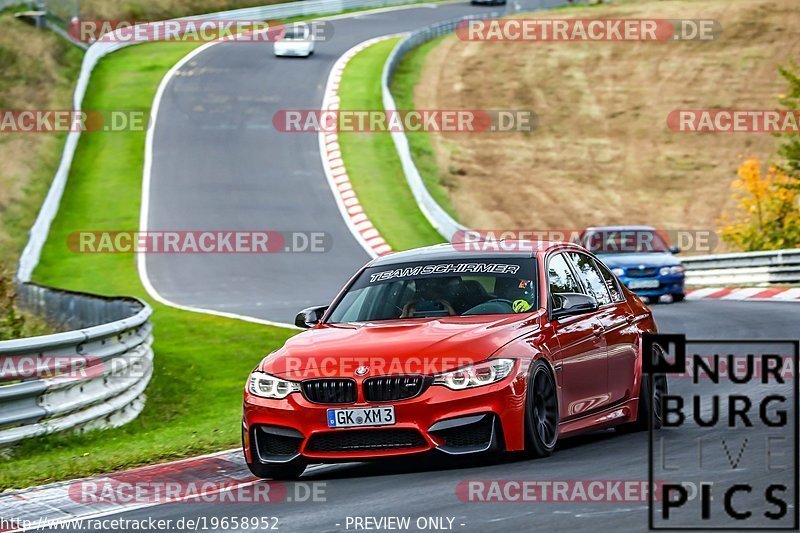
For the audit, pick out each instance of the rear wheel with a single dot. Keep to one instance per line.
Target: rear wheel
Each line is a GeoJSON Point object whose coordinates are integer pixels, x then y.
{"type": "Point", "coordinates": [541, 411]}
{"type": "Point", "coordinates": [286, 471]}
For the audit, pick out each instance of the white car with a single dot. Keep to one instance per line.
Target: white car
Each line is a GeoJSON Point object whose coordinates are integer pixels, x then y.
{"type": "Point", "coordinates": [296, 42]}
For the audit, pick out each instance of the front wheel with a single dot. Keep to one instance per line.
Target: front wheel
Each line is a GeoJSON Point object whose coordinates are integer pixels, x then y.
{"type": "Point", "coordinates": [541, 411]}
{"type": "Point", "coordinates": [287, 471]}
{"type": "Point", "coordinates": [678, 297]}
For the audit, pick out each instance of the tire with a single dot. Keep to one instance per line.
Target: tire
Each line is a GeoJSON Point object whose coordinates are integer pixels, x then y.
{"type": "Point", "coordinates": [287, 471]}
{"type": "Point", "coordinates": [541, 411]}
{"type": "Point", "coordinates": [678, 297]}
{"type": "Point", "coordinates": [653, 300]}
{"type": "Point", "coordinates": [650, 405]}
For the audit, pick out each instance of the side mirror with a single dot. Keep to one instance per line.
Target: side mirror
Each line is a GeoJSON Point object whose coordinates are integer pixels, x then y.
{"type": "Point", "coordinates": [309, 317]}
{"type": "Point", "coordinates": [573, 303]}
{"type": "Point", "coordinates": [675, 249]}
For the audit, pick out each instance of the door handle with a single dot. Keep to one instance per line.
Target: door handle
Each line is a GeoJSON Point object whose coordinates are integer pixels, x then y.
{"type": "Point", "coordinates": [629, 319]}
{"type": "Point", "coordinates": [597, 330]}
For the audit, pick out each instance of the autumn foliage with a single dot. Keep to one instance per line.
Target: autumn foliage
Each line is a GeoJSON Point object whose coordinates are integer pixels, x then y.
{"type": "Point", "coordinates": [768, 210]}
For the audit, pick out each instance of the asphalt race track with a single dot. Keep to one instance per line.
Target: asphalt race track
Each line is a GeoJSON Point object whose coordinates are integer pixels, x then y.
{"type": "Point", "coordinates": [219, 164]}
{"type": "Point", "coordinates": [427, 488]}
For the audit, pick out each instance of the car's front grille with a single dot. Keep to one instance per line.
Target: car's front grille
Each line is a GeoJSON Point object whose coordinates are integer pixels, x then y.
{"type": "Point", "coordinates": [358, 440]}
{"type": "Point", "coordinates": [329, 390]}
{"type": "Point", "coordinates": [641, 272]}
{"type": "Point", "coordinates": [392, 388]}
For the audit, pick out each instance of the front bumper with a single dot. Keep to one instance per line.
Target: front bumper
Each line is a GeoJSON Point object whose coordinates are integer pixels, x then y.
{"type": "Point", "coordinates": [671, 284]}
{"type": "Point", "coordinates": [452, 422]}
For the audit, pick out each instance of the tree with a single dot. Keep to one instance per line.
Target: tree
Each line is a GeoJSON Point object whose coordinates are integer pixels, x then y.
{"type": "Point", "coordinates": [768, 215]}
{"type": "Point", "coordinates": [789, 149]}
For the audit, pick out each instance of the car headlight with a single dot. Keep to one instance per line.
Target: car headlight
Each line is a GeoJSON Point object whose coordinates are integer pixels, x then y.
{"type": "Point", "coordinates": [475, 375]}
{"type": "Point", "coordinates": [679, 269]}
{"type": "Point", "coordinates": [618, 272]}
{"type": "Point", "coordinates": [267, 386]}
{"type": "Point", "coordinates": [664, 271]}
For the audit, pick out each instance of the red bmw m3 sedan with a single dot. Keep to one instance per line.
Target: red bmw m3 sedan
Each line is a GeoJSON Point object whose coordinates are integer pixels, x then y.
{"type": "Point", "coordinates": [456, 351]}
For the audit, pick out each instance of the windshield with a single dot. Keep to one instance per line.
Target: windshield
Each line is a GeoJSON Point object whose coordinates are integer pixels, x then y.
{"type": "Point", "coordinates": [439, 289]}
{"type": "Point", "coordinates": [624, 242]}
{"type": "Point", "coordinates": [294, 35]}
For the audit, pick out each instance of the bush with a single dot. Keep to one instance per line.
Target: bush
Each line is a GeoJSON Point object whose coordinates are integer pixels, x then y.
{"type": "Point", "coordinates": [768, 215]}
{"type": "Point", "coordinates": [12, 324]}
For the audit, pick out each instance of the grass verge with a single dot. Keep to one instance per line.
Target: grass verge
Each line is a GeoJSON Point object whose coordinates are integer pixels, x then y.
{"type": "Point", "coordinates": [194, 399]}
{"type": "Point", "coordinates": [372, 161]}
{"type": "Point", "coordinates": [405, 80]}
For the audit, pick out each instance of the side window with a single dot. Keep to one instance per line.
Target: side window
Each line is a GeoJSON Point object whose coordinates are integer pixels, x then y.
{"type": "Point", "coordinates": [611, 282]}
{"type": "Point", "coordinates": [560, 276]}
{"type": "Point", "coordinates": [591, 277]}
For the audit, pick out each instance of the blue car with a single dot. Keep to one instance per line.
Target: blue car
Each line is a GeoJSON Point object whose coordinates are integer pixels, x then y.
{"type": "Point", "coordinates": [640, 258]}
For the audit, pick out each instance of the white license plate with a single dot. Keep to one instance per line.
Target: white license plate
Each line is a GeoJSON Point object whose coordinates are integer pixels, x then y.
{"type": "Point", "coordinates": [643, 284]}
{"type": "Point", "coordinates": [368, 416]}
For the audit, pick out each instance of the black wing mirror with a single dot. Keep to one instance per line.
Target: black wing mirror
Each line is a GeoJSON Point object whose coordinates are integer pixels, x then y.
{"type": "Point", "coordinates": [572, 303]}
{"type": "Point", "coordinates": [675, 249]}
{"type": "Point", "coordinates": [309, 317]}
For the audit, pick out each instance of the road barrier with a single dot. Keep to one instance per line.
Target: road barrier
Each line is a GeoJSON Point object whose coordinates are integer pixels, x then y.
{"type": "Point", "coordinates": [92, 376]}
{"type": "Point", "coordinates": [113, 335]}
{"type": "Point", "coordinates": [780, 267]}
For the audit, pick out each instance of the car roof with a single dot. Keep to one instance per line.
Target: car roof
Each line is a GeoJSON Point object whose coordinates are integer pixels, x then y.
{"type": "Point", "coordinates": [440, 252]}
{"type": "Point", "coordinates": [620, 228]}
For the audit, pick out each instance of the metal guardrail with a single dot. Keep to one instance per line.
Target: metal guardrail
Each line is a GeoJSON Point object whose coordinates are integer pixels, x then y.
{"type": "Point", "coordinates": [90, 377]}
{"type": "Point", "coordinates": [781, 267]}
{"type": "Point", "coordinates": [38, 233]}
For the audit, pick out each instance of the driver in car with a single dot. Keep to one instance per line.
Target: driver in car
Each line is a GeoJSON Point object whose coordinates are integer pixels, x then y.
{"type": "Point", "coordinates": [429, 298]}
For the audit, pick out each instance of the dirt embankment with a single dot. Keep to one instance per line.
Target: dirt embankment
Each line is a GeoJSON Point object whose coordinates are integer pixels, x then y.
{"type": "Point", "coordinates": [602, 153]}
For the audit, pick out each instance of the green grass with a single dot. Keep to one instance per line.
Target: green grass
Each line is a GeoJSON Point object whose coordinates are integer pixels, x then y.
{"type": "Point", "coordinates": [201, 363]}
{"type": "Point", "coordinates": [405, 80]}
{"type": "Point", "coordinates": [194, 399]}
{"type": "Point", "coordinates": [372, 161]}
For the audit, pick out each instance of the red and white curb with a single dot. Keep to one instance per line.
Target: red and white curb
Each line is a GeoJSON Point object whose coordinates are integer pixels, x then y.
{"type": "Point", "coordinates": [217, 478]}
{"type": "Point", "coordinates": [336, 173]}
{"type": "Point", "coordinates": [749, 293]}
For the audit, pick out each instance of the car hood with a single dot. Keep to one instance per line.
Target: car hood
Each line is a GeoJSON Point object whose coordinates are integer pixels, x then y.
{"type": "Point", "coordinates": [655, 259]}
{"type": "Point", "coordinates": [414, 346]}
